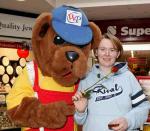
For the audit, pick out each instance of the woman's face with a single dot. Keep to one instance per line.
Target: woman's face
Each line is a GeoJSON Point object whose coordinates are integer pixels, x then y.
{"type": "Point", "coordinates": [107, 53]}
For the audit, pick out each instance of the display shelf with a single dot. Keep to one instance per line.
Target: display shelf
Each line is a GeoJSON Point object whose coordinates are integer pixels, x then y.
{"type": "Point", "coordinates": [147, 123]}
{"type": "Point", "coordinates": [5, 122]}
{"type": "Point", "coordinates": [11, 129]}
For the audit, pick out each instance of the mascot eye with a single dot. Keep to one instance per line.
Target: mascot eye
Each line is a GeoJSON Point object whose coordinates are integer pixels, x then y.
{"type": "Point", "coordinates": [58, 40]}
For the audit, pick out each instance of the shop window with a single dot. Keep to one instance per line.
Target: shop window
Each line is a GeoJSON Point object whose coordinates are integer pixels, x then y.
{"type": "Point", "coordinates": [138, 58]}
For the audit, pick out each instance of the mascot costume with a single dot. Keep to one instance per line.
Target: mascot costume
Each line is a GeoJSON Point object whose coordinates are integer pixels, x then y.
{"type": "Point", "coordinates": [41, 97]}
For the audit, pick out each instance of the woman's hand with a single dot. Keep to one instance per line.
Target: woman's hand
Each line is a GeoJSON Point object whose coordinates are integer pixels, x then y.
{"type": "Point", "coordinates": [80, 102]}
{"type": "Point", "coordinates": [119, 124]}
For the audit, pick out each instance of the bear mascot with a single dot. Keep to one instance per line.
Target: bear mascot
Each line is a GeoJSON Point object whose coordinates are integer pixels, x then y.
{"type": "Point", "coordinates": [41, 97]}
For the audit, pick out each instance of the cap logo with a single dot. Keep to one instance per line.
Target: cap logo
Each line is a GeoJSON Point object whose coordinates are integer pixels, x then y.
{"type": "Point", "coordinates": [74, 18]}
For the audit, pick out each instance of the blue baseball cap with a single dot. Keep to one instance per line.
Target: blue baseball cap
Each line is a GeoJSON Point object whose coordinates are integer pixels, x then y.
{"type": "Point", "coordinates": [72, 25]}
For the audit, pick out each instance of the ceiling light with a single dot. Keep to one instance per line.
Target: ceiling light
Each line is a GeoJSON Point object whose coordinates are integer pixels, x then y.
{"type": "Point", "coordinates": [20, 0]}
{"type": "Point", "coordinates": [136, 47]}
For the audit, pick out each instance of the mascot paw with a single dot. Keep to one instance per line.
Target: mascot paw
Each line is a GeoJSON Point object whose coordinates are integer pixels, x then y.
{"type": "Point", "coordinates": [54, 115]}
{"type": "Point", "coordinates": [70, 110]}
{"type": "Point", "coordinates": [21, 114]}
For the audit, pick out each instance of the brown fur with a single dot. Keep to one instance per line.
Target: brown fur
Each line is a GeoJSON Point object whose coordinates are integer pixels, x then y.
{"type": "Point", "coordinates": [52, 62]}
{"type": "Point", "coordinates": [54, 55]}
{"type": "Point", "coordinates": [30, 113]}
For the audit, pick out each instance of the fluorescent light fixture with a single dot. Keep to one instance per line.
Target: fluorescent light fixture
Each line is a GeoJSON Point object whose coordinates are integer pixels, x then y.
{"type": "Point", "coordinates": [20, 0]}
{"type": "Point", "coordinates": [136, 47]}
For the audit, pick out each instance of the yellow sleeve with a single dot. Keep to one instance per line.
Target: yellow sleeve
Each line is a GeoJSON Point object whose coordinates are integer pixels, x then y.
{"type": "Point", "coordinates": [21, 88]}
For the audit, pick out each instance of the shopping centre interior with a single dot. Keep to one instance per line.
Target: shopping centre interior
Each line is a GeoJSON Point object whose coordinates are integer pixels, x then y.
{"type": "Point", "coordinates": [129, 20]}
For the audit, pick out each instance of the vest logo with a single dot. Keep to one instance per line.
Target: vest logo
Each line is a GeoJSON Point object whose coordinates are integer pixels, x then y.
{"type": "Point", "coordinates": [112, 30]}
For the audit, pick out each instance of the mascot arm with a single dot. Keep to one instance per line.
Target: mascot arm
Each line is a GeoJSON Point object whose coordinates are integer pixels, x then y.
{"type": "Point", "coordinates": [26, 111]}
{"type": "Point", "coordinates": [21, 88]}
{"type": "Point", "coordinates": [30, 113]}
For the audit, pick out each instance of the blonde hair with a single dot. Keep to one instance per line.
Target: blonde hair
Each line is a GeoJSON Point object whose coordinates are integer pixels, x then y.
{"type": "Point", "coordinates": [115, 41]}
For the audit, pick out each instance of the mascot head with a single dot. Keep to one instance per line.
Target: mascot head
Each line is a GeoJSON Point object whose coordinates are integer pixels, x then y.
{"type": "Point", "coordinates": [61, 43]}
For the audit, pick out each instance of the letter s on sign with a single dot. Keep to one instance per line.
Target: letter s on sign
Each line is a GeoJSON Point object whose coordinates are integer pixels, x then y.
{"type": "Point", "coordinates": [124, 31]}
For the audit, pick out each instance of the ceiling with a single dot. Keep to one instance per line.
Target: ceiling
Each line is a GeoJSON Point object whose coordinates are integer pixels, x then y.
{"type": "Point", "coordinates": [95, 9]}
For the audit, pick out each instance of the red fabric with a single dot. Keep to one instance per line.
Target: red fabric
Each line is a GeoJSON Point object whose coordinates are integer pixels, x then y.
{"type": "Point", "coordinates": [46, 96]}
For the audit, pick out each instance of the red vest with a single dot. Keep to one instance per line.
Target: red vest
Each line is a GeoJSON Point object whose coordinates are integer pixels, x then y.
{"type": "Point", "coordinates": [47, 96]}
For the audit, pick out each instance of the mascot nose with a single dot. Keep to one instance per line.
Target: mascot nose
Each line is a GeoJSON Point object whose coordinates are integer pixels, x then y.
{"type": "Point", "coordinates": [72, 56]}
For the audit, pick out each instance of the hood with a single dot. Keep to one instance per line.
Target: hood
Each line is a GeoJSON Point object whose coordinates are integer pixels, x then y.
{"type": "Point", "coordinates": [121, 68]}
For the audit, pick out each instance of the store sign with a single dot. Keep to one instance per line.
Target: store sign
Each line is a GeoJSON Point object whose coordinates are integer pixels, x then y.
{"type": "Point", "coordinates": [127, 30]}
{"type": "Point", "coordinates": [15, 45]}
{"type": "Point", "coordinates": [16, 26]}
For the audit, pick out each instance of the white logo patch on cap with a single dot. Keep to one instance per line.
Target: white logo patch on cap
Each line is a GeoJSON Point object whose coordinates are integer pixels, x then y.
{"type": "Point", "coordinates": [74, 18]}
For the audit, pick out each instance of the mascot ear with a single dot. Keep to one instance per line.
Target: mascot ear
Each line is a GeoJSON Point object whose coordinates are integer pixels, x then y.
{"type": "Point", "coordinates": [41, 26]}
{"type": "Point", "coordinates": [96, 35]}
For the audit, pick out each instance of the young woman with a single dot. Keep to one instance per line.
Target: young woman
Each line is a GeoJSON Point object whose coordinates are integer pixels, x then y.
{"type": "Point", "coordinates": [110, 97]}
